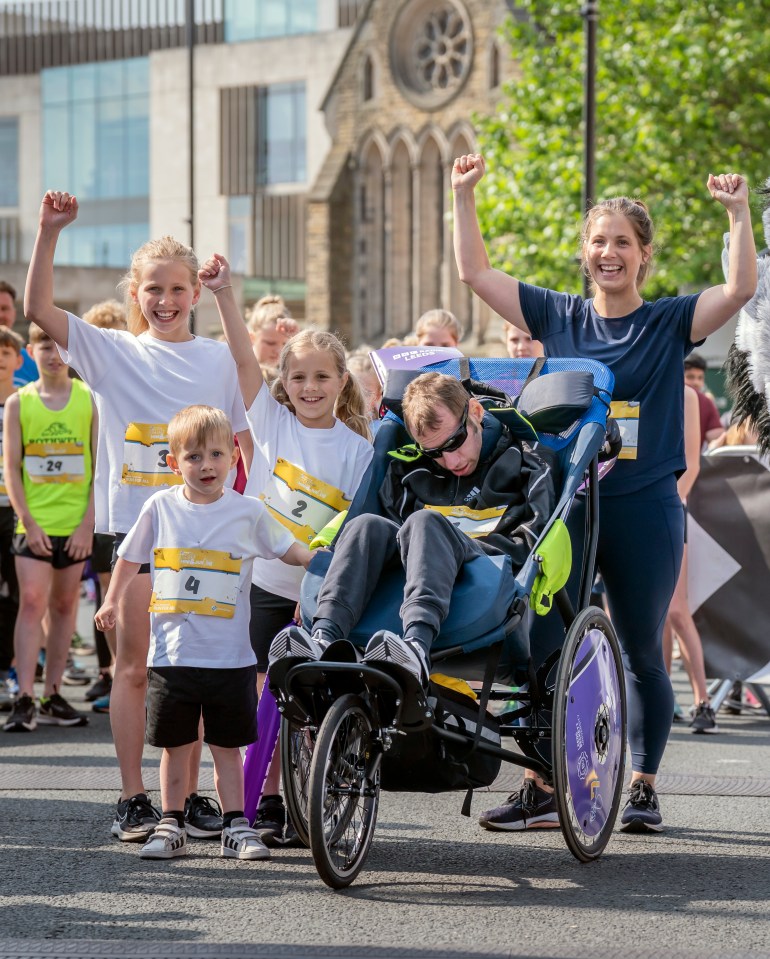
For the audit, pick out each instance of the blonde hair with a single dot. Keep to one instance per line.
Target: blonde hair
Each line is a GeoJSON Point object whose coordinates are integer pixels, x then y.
{"type": "Point", "coordinates": [441, 319]}
{"type": "Point", "coordinates": [107, 315]}
{"type": "Point", "coordinates": [422, 396]}
{"type": "Point", "coordinates": [154, 251]}
{"type": "Point", "coordinates": [350, 405]}
{"type": "Point", "coordinates": [266, 312]}
{"type": "Point", "coordinates": [359, 361]}
{"type": "Point", "coordinates": [197, 425]}
{"type": "Point", "coordinates": [641, 223]}
{"type": "Point", "coordinates": [9, 337]}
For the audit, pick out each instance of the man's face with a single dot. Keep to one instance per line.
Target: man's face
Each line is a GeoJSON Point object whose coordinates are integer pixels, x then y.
{"type": "Point", "coordinates": [695, 378]}
{"type": "Point", "coordinates": [7, 309]}
{"type": "Point", "coordinates": [463, 460]}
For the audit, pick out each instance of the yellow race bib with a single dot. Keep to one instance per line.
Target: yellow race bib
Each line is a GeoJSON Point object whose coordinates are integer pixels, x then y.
{"type": "Point", "coordinates": [144, 456]}
{"type": "Point", "coordinates": [626, 414]}
{"type": "Point", "coordinates": [300, 502]}
{"type": "Point", "coordinates": [472, 522]}
{"type": "Point", "coordinates": [202, 581]}
{"type": "Point", "coordinates": [51, 462]}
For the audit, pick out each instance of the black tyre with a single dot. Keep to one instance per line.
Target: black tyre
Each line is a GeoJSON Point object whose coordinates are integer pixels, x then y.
{"type": "Point", "coordinates": [589, 734]}
{"type": "Point", "coordinates": [344, 792]}
{"type": "Point", "coordinates": [297, 743]}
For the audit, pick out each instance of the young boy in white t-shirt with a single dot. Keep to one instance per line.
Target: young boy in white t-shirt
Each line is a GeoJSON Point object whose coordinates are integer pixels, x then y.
{"type": "Point", "coordinates": [201, 539]}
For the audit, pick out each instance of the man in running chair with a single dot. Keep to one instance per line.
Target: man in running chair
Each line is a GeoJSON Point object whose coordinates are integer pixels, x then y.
{"type": "Point", "coordinates": [462, 457]}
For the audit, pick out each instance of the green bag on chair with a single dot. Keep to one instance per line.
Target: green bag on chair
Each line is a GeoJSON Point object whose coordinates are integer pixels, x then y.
{"type": "Point", "coordinates": [555, 554]}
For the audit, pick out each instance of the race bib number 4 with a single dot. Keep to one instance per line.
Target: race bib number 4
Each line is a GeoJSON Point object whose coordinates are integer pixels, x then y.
{"type": "Point", "coordinates": [54, 462]}
{"type": "Point", "coordinates": [300, 502]}
{"type": "Point", "coordinates": [144, 456]}
{"type": "Point", "coordinates": [472, 522]}
{"type": "Point", "coordinates": [626, 414]}
{"type": "Point", "coordinates": [202, 581]}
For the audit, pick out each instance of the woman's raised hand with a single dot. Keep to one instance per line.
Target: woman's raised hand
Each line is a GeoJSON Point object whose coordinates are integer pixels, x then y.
{"type": "Point", "coordinates": [215, 273]}
{"type": "Point", "coordinates": [58, 209]}
{"type": "Point", "coordinates": [467, 171]}
{"type": "Point", "coordinates": [730, 189]}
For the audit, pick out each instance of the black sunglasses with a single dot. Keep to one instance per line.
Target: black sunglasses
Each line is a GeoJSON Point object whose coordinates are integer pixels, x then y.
{"type": "Point", "coordinates": [454, 442]}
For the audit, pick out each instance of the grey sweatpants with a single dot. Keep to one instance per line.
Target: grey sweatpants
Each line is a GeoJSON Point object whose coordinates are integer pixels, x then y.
{"type": "Point", "coordinates": [430, 549]}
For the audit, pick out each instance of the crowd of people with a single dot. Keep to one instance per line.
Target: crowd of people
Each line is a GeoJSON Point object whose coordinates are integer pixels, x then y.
{"type": "Point", "coordinates": [194, 474]}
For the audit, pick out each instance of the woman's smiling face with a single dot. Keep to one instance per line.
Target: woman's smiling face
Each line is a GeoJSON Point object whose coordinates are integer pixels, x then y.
{"type": "Point", "coordinates": [613, 254]}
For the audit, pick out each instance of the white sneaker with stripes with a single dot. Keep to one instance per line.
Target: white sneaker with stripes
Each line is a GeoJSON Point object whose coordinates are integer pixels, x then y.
{"type": "Point", "coordinates": [387, 647]}
{"type": "Point", "coordinates": [167, 841]}
{"type": "Point", "coordinates": [240, 841]}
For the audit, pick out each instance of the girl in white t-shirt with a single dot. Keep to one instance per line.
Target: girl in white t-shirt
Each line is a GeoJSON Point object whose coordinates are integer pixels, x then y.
{"type": "Point", "coordinates": [140, 378]}
{"type": "Point", "coordinates": [311, 449]}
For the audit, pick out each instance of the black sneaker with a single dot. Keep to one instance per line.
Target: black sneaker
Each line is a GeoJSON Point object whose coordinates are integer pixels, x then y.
{"type": "Point", "coordinates": [270, 820]}
{"type": "Point", "coordinates": [530, 808]}
{"type": "Point", "coordinates": [202, 817]}
{"type": "Point", "coordinates": [135, 819]}
{"type": "Point", "coordinates": [704, 720]}
{"type": "Point", "coordinates": [56, 711]}
{"type": "Point", "coordinates": [290, 837]}
{"type": "Point", "coordinates": [23, 716]}
{"type": "Point", "coordinates": [642, 810]}
{"type": "Point", "coordinates": [101, 687]}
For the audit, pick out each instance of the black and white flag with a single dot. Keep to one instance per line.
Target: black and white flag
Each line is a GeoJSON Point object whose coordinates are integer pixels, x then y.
{"type": "Point", "coordinates": [728, 537]}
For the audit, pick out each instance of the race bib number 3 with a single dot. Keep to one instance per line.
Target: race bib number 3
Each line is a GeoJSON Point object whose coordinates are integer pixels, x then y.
{"type": "Point", "coordinates": [626, 414]}
{"type": "Point", "coordinates": [300, 502]}
{"type": "Point", "coordinates": [202, 581]}
{"type": "Point", "coordinates": [54, 462]}
{"type": "Point", "coordinates": [144, 456]}
{"type": "Point", "coordinates": [472, 522]}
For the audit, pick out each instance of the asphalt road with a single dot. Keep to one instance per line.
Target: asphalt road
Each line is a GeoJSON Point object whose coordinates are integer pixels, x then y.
{"type": "Point", "coordinates": [435, 883]}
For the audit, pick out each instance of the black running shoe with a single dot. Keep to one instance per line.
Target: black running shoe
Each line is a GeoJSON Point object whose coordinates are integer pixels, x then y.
{"type": "Point", "coordinates": [704, 720]}
{"type": "Point", "coordinates": [530, 808]}
{"type": "Point", "coordinates": [100, 688]}
{"type": "Point", "coordinates": [135, 819]}
{"type": "Point", "coordinates": [54, 710]}
{"type": "Point", "coordinates": [270, 820]}
{"type": "Point", "coordinates": [23, 716]}
{"type": "Point", "coordinates": [202, 817]}
{"type": "Point", "coordinates": [642, 810]}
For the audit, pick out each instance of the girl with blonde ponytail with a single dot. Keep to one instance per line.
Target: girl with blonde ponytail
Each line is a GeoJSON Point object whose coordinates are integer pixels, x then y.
{"type": "Point", "coordinates": [311, 450]}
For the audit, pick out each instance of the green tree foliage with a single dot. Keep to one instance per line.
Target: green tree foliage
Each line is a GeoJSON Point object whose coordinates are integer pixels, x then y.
{"type": "Point", "coordinates": [682, 90]}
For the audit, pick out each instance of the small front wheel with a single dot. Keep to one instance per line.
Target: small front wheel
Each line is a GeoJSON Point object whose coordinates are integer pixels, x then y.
{"type": "Point", "coordinates": [344, 792]}
{"type": "Point", "coordinates": [589, 734]}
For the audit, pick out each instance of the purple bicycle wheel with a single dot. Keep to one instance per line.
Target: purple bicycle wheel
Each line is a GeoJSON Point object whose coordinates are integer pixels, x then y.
{"type": "Point", "coordinates": [589, 734]}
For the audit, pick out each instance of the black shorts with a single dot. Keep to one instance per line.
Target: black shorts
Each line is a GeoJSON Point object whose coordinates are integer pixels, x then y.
{"type": "Point", "coordinates": [119, 537]}
{"type": "Point", "coordinates": [101, 555]}
{"type": "Point", "coordinates": [59, 558]}
{"type": "Point", "coordinates": [177, 697]}
{"type": "Point", "coordinates": [269, 615]}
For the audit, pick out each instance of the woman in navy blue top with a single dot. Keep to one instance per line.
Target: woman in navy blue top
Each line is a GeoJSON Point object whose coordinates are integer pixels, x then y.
{"type": "Point", "coordinates": [641, 530]}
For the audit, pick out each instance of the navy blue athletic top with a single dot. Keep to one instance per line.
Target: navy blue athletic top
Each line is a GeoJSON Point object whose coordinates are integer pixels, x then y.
{"type": "Point", "coordinates": [645, 351]}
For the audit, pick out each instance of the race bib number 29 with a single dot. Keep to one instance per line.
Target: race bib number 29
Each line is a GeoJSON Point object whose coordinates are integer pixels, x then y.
{"type": "Point", "coordinates": [202, 581]}
{"type": "Point", "coordinates": [144, 456]}
{"type": "Point", "coordinates": [54, 462]}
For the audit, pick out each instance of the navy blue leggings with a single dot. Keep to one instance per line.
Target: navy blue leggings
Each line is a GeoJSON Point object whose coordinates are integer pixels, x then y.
{"type": "Point", "coordinates": [639, 553]}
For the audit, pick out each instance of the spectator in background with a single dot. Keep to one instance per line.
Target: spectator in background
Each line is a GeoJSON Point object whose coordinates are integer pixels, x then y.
{"type": "Point", "coordinates": [438, 328]}
{"type": "Point", "coordinates": [270, 325]}
{"type": "Point", "coordinates": [695, 376]}
{"type": "Point", "coordinates": [27, 372]}
{"type": "Point", "coordinates": [520, 345]}
{"type": "Point", "coordinates": [362, 368]}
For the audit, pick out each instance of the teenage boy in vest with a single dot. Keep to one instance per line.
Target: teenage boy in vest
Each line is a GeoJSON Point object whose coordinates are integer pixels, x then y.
{"type": "Point", "coordinates": [49, 441]}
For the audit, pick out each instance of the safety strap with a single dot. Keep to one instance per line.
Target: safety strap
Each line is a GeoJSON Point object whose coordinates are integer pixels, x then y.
{"type": "Point", "coordinates": [486, 689]}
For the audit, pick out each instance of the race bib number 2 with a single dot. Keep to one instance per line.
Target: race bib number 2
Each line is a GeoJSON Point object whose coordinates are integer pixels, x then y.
{"type": "Point", "coordinates": [144, 456]}
{"type": "Point", "coordinates": [300, 502]}
{"type": "Point", "coordinates": [202, 581]}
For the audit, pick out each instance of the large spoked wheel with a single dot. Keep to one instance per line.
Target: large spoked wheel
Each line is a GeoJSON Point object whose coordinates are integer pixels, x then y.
{"type": "Point", "coordinates": [589, 734]}
{"type": "Point", "coordinates": [344, 792]}
{"type": "Point", "coordinates": [297, 743]}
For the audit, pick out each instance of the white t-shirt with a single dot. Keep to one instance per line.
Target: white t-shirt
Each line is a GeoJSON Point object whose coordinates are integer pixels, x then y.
{"type": "Point", "coordinates": [200, 560]}
{"type": "Point", "coordinates": [139, 383]}
{"type": "Point", "coordinates": [305, 476]}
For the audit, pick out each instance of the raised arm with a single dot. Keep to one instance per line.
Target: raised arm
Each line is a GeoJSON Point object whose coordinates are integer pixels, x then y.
{"type": "Point", "coordinates": [496, 289]}
{"type": "Point", "coordinates": [56, 211]}
{"type": "Point", "coordinates": [215, 274]}
{"type": "Point", "coordinates": [716, 305]}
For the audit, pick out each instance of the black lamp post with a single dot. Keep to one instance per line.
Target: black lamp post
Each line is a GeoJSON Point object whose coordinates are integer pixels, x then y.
{"type": "Point", "coordinates": [590, 12]}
